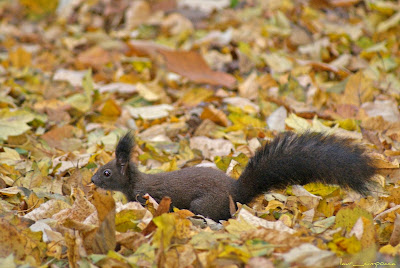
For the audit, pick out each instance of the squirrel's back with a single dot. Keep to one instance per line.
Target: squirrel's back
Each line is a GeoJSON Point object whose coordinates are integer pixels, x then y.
{"type": "Point", "coordinates": [304, 158]}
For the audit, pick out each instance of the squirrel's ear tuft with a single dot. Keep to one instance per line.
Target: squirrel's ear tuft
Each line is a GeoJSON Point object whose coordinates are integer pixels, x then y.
{"type": "Point", "coordinates": [123, 151]}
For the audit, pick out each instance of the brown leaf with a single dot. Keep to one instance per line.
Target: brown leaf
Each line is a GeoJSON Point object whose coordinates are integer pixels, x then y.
{"type": "Point", "coordinates": [215, 115]}
{"type": "Point", "coordinates": [16, 238]}
{"type": "Point", "coordinates": [11, 241]}
{"type": "Point", "coordinates": [145, 48]}
{"type": "Point", "coordinates": [80, 210]}
{"type": "Point", "coordinates": [2, 184]}
{"type": "Point", "coordinates": [321, 66]}
{"type": "Point", "coordinates": [131, 240]}
{"type": "Point", "coordinates": [192, 65]}
{"type": "Point", "coordinates": [57, 136]}
{"type": "Point", "coordinates": [55, 109]}
{"type": "Point", "coordinates": [163, 207]}
{"type": "Point", "coordinates": [72, 245]}
{"type": "Point", "coordinates": [395, 237]}
{"type": "Point", "coordinates": [104, 239]}
{"type": "Point", "coordinates": [189, 64]}
{"type": "Point", "coordinates": [358, 89]}
{"type": "Point", "coordinates": [343, 3]}
{"type": "Point", "coordinates": [137, 13]}
{"type": "Point", "coordinates": [96, 57]}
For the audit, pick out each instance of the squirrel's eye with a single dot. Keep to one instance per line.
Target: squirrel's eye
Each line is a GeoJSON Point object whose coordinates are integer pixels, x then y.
{"type": "Point", "coordinates": [107, 173]}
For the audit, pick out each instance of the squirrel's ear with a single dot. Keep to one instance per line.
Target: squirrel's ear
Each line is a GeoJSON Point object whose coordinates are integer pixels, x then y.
{"type": "Point", "coordinates": [123, 152]}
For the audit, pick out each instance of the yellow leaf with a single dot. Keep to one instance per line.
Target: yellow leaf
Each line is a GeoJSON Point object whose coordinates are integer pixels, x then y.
{"type": "Point", "coordinates": [9, 156]}
{"type": "Point", "coordinates": [274, 204]}
{"type": "Point", "coordinates": [111, 108]}
{"type": "Point", "coordinates": [20, 58]}
{"type": "Point", "coordinates": [20, 241]}
{"type": "Point", "coordinates": [349, 245]}
{"type": "Point", "coordinates": [390, 250]}
{"type": "Point", "coordinates": [39, 7]}
{"type": "Point", "coordinates": [194, 96]}
{"type": "Point", "coordinates": [368, 233]}
{"type": "Point", "coordinates": [297, 123]}
{"type": "Point", "coordinates": [348, 124]}
{"type": "Point", "coordinates": [320, 189]}
{"type": "Point", "coordinates": [235, 253]}
{"type": "Point", "coordinates": [145, 252]}
{"type": "Point", "coordinates": [182, 228]}
{"type": "Point", "coordinates": [215, 115]}
{"type": "Point", "coordinates": [236, 227]}
{"type": "Point", "coordinates": [151, 91]}
{"type": "Point", "coordinates": [128, 219]}
{"type": "Point", "coordinates": [326, 207]}
{"type": "Point", "coordinates": [13, 123]}
{"type": "Point", "coordinates": [243, 121]}
{"type": "Point", "coordinates": [165, 230]}
{"type": "Point", "coordinates": [347, 217]}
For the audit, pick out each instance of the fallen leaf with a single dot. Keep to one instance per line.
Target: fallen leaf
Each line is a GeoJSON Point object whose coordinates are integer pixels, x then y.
{"type": "Point", "coordinates": [347, 217]}
{"type": "Point", "coordinates": [104, 238]}
{"type": "Point", "coordinates": [276, 120]}
{"type": "Point", "coordinates": [83, 101]}
{"type": "Point", "coordinates": [211, 147]}
{"type": "Point", "coordinates": [395, 237]}
{"type": "Point", "coordinates": [215, 115]}
{"type": "Point", "coordinates": [20, 241]}
{"type": "Point", "coordinates": [95, 57]}
{"type": "Point", "coordinates": [163, 207]}
{"type": "Point", "coordinates": [10, 156]}
{"type": "Point", "coordinates": [192, 65]}
{"type": "Point", "coordinates": [385, 108]}
{"type": "Point", "coordinates": [47, 210]}
{"type": "Point", "coordinates": [195, 96]}
{"type": "Point", "coordinates": [256, 222]}
{"type": "Point", "coordinates": [310, 255]}
{"type": "Point", "coordinates": [389, 23]}
{"type": "Point", "coordinates": [243, 103]}
{"type": "Point", "coordinates": [123, 88]}
{"type": "Point", "coordinates": [278, 63]}
{"type": "Point", "coordinates": [57, 136]}
{"type": "Point", "coordinates": [110, 108]}
{"type": "Point", "coordinates": [73, 77]}
{"type": "Point", "coordinates": [20, 58]}
{"type": "Point", "coordinates": [249, 88]}
{"type": "Point", "coordinates": [13, 123]}
{"type": "Point", "coordinates": [137, 13]}
{"type": "Point", "coordinates": [150, 112]}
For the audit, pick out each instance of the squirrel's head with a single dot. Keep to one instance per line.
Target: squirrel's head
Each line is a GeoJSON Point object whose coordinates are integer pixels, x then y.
{"type": "Point", "coordinates": [115, 175]}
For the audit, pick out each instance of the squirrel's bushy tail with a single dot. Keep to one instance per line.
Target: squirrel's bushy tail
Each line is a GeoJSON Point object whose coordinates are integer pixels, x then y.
{"type": "Point", "coordinates": [304, 158]}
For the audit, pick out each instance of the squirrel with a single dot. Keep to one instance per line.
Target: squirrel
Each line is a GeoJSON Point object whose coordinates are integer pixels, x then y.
{"type": "Point", "coordinates": [289, 159]}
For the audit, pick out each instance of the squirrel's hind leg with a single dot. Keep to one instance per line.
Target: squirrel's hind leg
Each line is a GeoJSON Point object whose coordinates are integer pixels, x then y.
{"type": "Point", "coordinates": [210, 207]}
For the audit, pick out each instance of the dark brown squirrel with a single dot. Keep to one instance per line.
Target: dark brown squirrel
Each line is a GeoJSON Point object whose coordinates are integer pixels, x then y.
{"type": "Point", "coordinates": [289, 159]}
